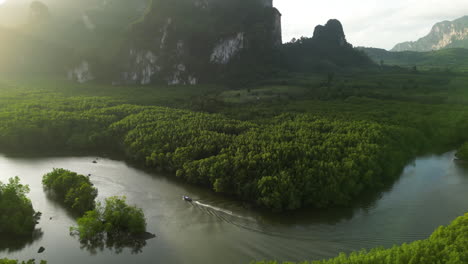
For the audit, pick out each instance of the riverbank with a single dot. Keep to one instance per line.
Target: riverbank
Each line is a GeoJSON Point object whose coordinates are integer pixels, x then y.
{"type": "Point", "coordinates": [282, 154]}
{"type": "Point", "coordinates": [430, 192]}
{"type": "Point", "coordinates": [445, 245]}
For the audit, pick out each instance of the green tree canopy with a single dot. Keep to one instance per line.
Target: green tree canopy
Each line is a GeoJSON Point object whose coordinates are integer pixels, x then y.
{"type": "Point", "coordinates": [112, 220]}
{"type": "Point", "coordinates": [17, 216]}
{"type": "Point", "coordinates": [76, 191]}
{"type": "Point", "coordinates": [462, 152]}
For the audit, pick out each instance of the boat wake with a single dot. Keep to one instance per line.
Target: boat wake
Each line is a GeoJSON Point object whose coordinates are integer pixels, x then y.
{"type": "Point", "coordinates": [243, 222]}
{"type": "Point", "coordinates": [217, 209]}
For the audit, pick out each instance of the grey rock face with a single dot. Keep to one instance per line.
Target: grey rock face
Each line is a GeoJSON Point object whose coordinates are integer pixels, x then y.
{"type": "Point", "coordinates": [81, 73]}
{"type": "Point", "coordinates": [267, 3]}
{"type": "Point", "coordinates": [143, 66]}
{"type": "Point", "coordinates": [277, 29]}
{"type": "Point", "coordinates": [331, 33]}
{"type": "Point", "coordinates": [447, 34]}
{"type": "Point", "coordinates": [167, 47]}
{"type": "Point", "coordinates": [224, 51]}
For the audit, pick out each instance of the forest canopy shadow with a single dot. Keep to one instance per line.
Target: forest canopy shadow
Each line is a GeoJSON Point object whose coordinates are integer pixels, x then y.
{"type": "Point", "coordinates": [11, 244]}
{"type": "Point", "coordinates": [116, 244]}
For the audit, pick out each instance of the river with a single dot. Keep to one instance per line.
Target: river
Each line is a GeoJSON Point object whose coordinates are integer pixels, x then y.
{"type": "Point", "coordinates": [432, 191]}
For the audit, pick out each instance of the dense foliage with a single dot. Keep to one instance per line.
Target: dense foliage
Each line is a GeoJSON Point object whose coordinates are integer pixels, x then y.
{"type": "Point", "coordinates": [462, 153]}
{"type": "Point", "coordinates": [266, 163]}
{"type": "Point", "coordinates": [331, 142]}
{"type": "Point", "coordinates": [114, 219]}
{"type": "Point", "coordinates": [76, 191]}
{"type": "Point", "coordinates": [296, 161]}
{"type": "Point", "coordinates": [11, 261]}
{"type": "Point", "coordinates": [17, 215]}
{"type": "Point", "coordinates": [447, 245]}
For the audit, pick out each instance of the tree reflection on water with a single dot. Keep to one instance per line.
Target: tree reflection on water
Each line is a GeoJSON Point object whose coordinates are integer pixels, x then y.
{"type": "Point", "coordinates": [115, 243]}
{"type": "Point", "coordinates": [13, 243]}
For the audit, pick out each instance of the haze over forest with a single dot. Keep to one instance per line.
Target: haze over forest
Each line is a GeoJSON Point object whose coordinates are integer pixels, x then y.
{"type": "Point", "coordinates": [368, 23]}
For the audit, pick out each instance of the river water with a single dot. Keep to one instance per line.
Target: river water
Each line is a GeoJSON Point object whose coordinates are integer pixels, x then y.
{"type": "Point", "coordinates": [432, 191]}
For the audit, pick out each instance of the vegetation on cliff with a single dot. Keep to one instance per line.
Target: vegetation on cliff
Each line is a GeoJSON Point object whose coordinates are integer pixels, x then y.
{"type": "Point", "coordinates": [228, 36]}
{"type": "Point", "coordinates": [446, 34]}
{"type": "Point", "coordinates": [326, 51]}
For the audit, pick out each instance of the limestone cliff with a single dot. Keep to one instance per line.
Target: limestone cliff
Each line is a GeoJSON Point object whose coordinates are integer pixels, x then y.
{"type": "Point", "coordinates": [147, 41]}
{"type": "Point", "coordinates": [187, 41]}
{"type": "Point", "coordinates": [81, 73]}
{"type": "Point", "coordinates": [447, 34]}
{"type": "Point", "coordinates": [327, 50]}
{"type": "Point", "coordinates": [331, 34]}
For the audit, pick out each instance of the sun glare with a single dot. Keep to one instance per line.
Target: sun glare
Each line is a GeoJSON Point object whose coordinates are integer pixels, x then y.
{"type": "Point", "coordinates": [2, 1]}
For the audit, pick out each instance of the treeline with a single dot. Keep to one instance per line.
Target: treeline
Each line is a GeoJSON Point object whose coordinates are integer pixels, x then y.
{"type": "Point", "coordinates": [61, 124]}
{"type": "Point", "coordinates": [289, 162]}
{"type": "Point", "coordinates": [285, 162]}
{"type": "Point", "coordinates": [447, 245]}
{"type": "Point", "coordinates": [296, 161]}
{"type": "Point", "coordinates": [17, 215]}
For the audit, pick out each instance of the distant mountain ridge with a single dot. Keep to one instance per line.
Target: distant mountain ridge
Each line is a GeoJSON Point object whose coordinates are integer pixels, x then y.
{"type": "Point", "coordinates": [446, 34]}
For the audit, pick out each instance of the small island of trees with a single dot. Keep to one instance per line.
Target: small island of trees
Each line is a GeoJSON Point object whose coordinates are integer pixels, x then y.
{"type": "Point", "coordinates": [111, 223]}
{"type": "Point", "coordinates": [17, 215]}
{"type": "Point", "coordinates": [76, 191]}
{"type": "Point", "coordinates": [113, 220]}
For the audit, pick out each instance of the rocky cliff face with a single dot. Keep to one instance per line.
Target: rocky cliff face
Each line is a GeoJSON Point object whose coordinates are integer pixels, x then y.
{"type": "Point", "coordinates": [331, 33]}
{"type": "Point", "coordinates": [81, 73]}
{"type": "Point", "coordinates": [176, 42]}
{"type": "Point", "coordinates": [187, 41]}
{"type": "Point", "coordinates": [447, 34]}
{"type": "Point", "coordinates": [328, 50]}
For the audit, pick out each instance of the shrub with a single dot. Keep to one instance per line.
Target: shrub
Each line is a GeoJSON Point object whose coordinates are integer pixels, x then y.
{"type": "Point", "coordinates": [76, 191]}
{"type": "Point", "coordinates": [112, 220]}
{"type": "Point", "coordinates": [17, 215]}
{"type": "Point", "coordinates": [462, 152]}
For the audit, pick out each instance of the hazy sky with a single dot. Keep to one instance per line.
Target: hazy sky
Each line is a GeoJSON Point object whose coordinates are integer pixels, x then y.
{"type": "Point", "coordinates": [372, 23]}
